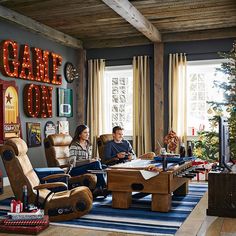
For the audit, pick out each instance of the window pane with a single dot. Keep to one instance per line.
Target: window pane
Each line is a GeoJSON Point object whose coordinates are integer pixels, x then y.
{"type": "Point", "coordinates": [200, 89]}
{"type": "Point", "coordinates": [118, 97]}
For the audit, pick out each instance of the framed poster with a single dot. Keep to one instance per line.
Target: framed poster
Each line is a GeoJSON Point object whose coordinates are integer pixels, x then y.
{"type": "Point", "coordinates": [33, 134]}
{"type": "Point", "coordinates": [63, 127]}
{"type": "Point", "coordinates": [49, 128]}
{"type": "Point", "coordinates": [64, 102]}
{"type": "Point", "coordinates": [10, 126]}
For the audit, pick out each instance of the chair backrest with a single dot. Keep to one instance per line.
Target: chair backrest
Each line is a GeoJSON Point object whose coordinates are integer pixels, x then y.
{"type": "Point", "coordinates": [57, 149]}
{"type": "Point", "coordinates": [101, 142]}
{"type": "Point", "coordinates": [18, 168]}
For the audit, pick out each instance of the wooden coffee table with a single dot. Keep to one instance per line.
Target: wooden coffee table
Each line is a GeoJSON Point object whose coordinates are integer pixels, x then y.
{"type": "Point", "coordinates": [124, 179]}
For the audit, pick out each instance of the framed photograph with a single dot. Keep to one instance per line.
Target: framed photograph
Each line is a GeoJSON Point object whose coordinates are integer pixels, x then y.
{"type": "Point", "coordinates": [63, 127]}
{"type": "Point", "coordinates": [34, 138]}
{"type": "Point", "coordinates": [64, 102]}
{"type": "Point", "coordinates": [49, 128]}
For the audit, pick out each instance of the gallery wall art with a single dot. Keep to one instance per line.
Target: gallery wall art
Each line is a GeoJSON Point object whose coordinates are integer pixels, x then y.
{"type": "Point", "coordinates": [33, 130]}
{"type": "Point", "coordinates": [64, 102]}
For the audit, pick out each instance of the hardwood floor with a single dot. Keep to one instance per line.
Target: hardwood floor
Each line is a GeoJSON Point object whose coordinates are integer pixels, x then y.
{"type": "Point", "coordinates": [198, 223]}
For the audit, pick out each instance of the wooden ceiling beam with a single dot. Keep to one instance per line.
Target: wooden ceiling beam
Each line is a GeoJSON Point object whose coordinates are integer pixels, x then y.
{"type": "Point", "coordinates": [126, 10]}
{"type": "Point", "coordinates": [36, 27]}
{"type": "Point", "coordinates": [200, 35]}
{"type": "Point", "coordinates": [118, 42]}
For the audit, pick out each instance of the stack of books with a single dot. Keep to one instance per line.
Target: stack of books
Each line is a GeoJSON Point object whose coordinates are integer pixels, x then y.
{"type": "Point", "coordinates": [24, 222]}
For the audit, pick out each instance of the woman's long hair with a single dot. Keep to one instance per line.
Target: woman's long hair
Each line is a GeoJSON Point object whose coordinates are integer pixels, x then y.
{"type": "Point", "coordinates": [78, 132]}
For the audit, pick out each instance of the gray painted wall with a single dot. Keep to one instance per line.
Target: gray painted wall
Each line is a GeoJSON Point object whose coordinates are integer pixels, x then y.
{"type": "Point", "coordinates": [22, 36]}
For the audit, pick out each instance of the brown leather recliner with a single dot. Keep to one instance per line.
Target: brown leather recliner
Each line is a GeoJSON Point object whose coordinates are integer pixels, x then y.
{"type": "Point", "coordinates": [104, 139]}
{"type": "Point", "coordinates": [59, 206]}
{"type": "Point", "coordinates": [56, 148]}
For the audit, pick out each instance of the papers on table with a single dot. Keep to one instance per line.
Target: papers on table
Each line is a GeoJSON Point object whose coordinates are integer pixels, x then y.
{"type": "Point", "coordinates": [134, 164]}
{"type": "Point", "coordinates": [148, 174]}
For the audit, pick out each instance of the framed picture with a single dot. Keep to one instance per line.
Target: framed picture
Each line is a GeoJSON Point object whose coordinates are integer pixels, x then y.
{"type": "Point", "coordinates": [33, 134]}
{"type": "Point", "coordinates": [64, 102]}
{"type": "Point", "coordinates": [63, 127]}
{"type": "Point", "coordinates": [10, 125]}
{"type": "Point", "coordinates": [49, 128]}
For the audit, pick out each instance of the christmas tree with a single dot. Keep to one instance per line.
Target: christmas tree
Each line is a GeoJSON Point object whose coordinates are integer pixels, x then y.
{"type": "Point", "coordinates": [208, 144]}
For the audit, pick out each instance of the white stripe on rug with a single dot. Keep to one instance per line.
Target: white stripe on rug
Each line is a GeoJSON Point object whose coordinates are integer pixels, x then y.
{"type": "Point", "coordinates": [130, 220]}
{"type": "Point", "coordinates": [111, 230]}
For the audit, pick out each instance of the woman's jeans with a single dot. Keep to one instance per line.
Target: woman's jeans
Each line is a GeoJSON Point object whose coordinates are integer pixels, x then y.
{"type": "Point", "coordinates": [96, 165]}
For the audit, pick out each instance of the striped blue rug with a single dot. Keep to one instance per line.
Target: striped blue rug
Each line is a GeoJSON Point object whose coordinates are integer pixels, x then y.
{"type": "Point", "coordinates": [138, 219]}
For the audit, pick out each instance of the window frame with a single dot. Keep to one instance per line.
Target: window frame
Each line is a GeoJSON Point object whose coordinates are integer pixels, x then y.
{"type": "Point", "coordinates": [198, 63]}
{"type": "Point", "coordinates": [120, 68]}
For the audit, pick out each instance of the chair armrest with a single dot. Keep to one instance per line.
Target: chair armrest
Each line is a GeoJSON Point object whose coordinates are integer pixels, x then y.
{"type": "Point", "coordinates": [65, 166]}
{"type": "Point", "coordinates": [50, 185]}
{"type": "Point", "coordinates": [55, 176]}
{"type": "Point", "coordinates": [88, 180]}
{"type": "Point", "coordinates": [148, 156]}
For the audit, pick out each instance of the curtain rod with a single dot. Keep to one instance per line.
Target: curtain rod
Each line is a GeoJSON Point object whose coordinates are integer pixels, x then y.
{"type": "Point", "coordinates": [202, 53]}
{"type": "Point", "coordinates": [123, 59]}
{"type": "Point", "coordinates": [199, 53]}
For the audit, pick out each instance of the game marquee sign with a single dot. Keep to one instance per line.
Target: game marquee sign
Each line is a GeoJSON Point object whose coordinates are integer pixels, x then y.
{"type": "Point", "coordinates": [33, 64]}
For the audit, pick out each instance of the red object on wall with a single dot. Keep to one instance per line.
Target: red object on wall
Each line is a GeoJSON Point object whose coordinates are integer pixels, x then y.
{"type": "Point", "coordinates": [38, 100]}
{"type": "Point", "coordinates": [10, 125]}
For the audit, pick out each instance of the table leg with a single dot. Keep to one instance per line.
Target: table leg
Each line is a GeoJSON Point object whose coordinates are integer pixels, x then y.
{"type": "Point", "coordinates": [197, 176]}
{"type": "Point", "coordinates": [121, 199]}
{"type": "Point", "coordinates": [182, 190]}
{"type": "Point", "coordinates": [161, 202]}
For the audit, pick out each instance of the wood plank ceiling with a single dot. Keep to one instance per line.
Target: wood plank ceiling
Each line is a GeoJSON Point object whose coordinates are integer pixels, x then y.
{"type": "Point", "coordinates": [97, 25]}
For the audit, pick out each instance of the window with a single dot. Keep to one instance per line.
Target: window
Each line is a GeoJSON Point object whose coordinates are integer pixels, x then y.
{"type": "Point", "coordinates": [200, 89]}
{"type": "Point", "coordinates": [118, 97]}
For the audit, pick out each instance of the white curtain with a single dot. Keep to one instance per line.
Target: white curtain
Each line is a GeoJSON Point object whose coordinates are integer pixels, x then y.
{"type": "Point", "coordinates": [141, 107]}
{"type": "Point", "coordinates": [177, 95]}
{"type": "Point", "coordinates": [95, 102]}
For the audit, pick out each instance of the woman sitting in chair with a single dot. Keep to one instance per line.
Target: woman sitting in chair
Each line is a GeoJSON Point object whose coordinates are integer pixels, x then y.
{"type": "Point", "coordinates": [82, 161]}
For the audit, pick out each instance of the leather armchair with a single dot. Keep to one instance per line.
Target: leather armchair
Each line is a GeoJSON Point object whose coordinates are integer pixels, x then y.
{"type": "Point", "coordinates": [59, 206]}
{"type": "Point", "coordinates": [102, 141]}
{"type": "Point", "coordinates": [56, 148]}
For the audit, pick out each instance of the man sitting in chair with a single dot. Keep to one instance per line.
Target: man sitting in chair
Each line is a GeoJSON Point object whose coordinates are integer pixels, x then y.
{"type": "Point", "coordinates": [118, 150]}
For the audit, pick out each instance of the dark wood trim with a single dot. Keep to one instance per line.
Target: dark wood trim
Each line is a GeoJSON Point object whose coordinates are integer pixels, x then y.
{"type": "Point", "coordinates": [200, 35]}
{"type": "Point", "coordinates": [158, 94]}
{"type": "Point", "coordinates": [81, 88]}
{"type": "Point", "coordinates": [119, 42]}
{"type": "Point", "coordinates": [36, 27]}
{"type": "Point", "coordinates": [126, 10]}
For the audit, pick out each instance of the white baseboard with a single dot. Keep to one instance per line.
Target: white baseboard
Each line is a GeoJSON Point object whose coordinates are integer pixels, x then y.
{"type": "Point", "coordinates": [6, 181]}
